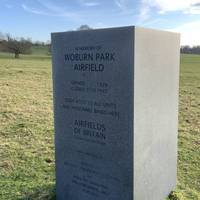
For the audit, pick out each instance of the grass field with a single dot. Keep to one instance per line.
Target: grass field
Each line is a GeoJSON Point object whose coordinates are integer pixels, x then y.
{"type": "Point", "coordinates": [26, 129]}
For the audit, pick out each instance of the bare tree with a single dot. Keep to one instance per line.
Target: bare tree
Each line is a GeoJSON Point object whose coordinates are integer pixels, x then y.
{"type": "Point", "coordinates": [1, 41]}
{"type": "Point", "coordinates": [16, 46]}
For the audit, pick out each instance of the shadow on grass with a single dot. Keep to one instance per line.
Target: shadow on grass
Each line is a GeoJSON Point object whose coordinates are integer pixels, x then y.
{"type": "Point", "coordinates": [43, 193]}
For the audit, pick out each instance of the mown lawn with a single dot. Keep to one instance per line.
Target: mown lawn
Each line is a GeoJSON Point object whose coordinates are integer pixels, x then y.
{"type": "Point", "coordinates": [189, 128]}
{"type": "Point", "coordinates": [26, 129]}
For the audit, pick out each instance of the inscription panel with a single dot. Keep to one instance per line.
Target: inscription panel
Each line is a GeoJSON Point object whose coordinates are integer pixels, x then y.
{"type": "Point", "coordinates": [93, 88]}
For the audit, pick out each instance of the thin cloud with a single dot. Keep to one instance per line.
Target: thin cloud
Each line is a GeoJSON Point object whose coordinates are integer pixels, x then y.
{"type": "Point", "coordinates": [154, 21]}
{"type": "Point", "coordinates": [163, 6]}
{"type": "Point", "coordinates": [33, 10]}
{"type": "Point", "coordinates": [189, 33]}
{"type": "Point", "coordinates": [50, 6]}
{"type": "Point", "coordinates": [89, 3]}
{"type": "Point", "coordinates": [122, 4]}
{"type": "Point", "coordinates": [125, 7]}
{"type": "Point", "coordinates": [49, 9]}
{"type": "Point", "coordinates": [194, 9]}
{"type": "Point", "coordinates": [144, 13]}
{"type": "Point", "coordinates": [196, 4]}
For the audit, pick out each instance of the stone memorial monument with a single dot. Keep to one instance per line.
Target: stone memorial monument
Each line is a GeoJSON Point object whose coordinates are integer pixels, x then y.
{"type": "Point", "coordinates": [116, 113]}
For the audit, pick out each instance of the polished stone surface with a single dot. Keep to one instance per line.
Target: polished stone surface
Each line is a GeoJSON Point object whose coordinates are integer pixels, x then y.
{"type": "Point", "coordinates": [115, 111]}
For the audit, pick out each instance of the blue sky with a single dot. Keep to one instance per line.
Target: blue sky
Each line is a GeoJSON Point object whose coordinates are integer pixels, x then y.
{"type": "Point", "coordinates": [38, 18]}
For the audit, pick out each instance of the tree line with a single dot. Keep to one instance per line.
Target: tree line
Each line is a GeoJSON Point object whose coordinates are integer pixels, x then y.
{"type": "Point", "coordinates": [190, 50]}
{"type": "Point", "coordinates": [22, 45]}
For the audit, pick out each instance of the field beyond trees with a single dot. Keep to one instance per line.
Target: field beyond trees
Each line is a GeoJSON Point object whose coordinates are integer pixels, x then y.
{"type": "Point", "coordinates": [27, 134]}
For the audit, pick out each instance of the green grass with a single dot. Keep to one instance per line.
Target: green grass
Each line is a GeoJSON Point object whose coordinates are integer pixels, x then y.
{"type": "Point", "coordinates": [40, 50]}
{"type": "Point", "coordinates": [26, 129]}
{"type": "Point", "coordinates": [189, 128]}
